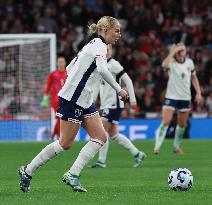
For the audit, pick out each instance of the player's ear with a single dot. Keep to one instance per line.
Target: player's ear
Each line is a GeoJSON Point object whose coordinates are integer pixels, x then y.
{"type": "Point", "coordinates": [105, 30]}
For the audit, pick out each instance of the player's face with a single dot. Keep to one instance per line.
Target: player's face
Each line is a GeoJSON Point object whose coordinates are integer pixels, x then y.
{"type": "Point", "coordinates": [113, 34]}
{"type": "Point", "coordinates": [61, 63]}
{"type": "Point", "coordinates": [180, 56]}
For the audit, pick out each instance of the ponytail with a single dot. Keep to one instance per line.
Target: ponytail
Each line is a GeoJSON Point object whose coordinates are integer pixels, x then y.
{"type": "Point", "coordinates": [92, 29]}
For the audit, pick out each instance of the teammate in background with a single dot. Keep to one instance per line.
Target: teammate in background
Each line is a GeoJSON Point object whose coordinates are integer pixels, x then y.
{"type": "Point", "coordinates": [55, 82]}
{"type": "Point", "coordinates": [76, 105]}
{"type": "Point", "coordinates": [178, 95]}
{"type": "Point", "coordinates": [111, 108]}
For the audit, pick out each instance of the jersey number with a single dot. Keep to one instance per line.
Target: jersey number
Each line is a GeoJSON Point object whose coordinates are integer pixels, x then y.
{"type": "Point", "coordinates": [183, 76]}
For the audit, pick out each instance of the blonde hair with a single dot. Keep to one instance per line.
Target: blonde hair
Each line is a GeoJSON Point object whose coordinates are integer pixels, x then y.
{"type": "Point", "coordinates": [105, 22]}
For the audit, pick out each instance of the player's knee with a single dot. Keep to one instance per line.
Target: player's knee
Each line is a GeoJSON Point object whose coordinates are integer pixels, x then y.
{"type": "Point", "coordinates": [65, 145]}
{"type": "Point", "coordinates": [104, 137]}
{"type": "Point", "coordinates": [181, 125]}
{"type": "Point", "coordinates": [166, 122]}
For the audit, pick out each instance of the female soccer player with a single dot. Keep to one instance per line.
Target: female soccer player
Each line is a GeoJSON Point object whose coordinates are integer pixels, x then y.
{"type": "Point", "coordinates": [178, 95]}
{"type": "Point", "coordinates": [76, 105]}
{"type": "Point", "coordinates": [111, 107]}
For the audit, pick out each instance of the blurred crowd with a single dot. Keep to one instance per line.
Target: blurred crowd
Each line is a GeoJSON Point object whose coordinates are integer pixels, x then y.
{"type": "Point", "coordinates": [149, 28]}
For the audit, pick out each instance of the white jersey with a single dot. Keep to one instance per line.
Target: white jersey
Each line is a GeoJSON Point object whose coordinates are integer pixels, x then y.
{"type": "Point", "coordinates": [109, 97]}
{"type": "Point", "coordinates": [179, 83]}
{"type": "Point", "coordinates": [84, 74]}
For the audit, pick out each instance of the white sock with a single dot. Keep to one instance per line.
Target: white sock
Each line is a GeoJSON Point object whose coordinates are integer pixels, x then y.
{"type": "Point", "coordinates": [178, 136]}
{"type": "Point", "coordinates": [103, 152]}
{"type": "Point", "coordinates": [85, 155]}
{"type": "Point", "coordinates": [160, 135]}
{"type": "Point", "coordinates": [44, 156]}
{"type": "Point", "coordinates": [126, 143]}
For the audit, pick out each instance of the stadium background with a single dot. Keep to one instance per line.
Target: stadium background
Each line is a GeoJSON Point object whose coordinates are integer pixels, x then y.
{"type": "Point", "coordinates": [148, 29]}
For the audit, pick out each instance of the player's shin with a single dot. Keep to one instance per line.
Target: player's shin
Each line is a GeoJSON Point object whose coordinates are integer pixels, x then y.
{"type": "Point", "coordinates": [160, 136]}
{"type": "Point", "coordinates": [85, 155]}
{"type": "Point", "coordinates": [103, 152]}
{"type": "Point", "coordinates": [44, 156]}
{"type": "Point", "coordinates": [178, 136]}
{"type": "Point", "coordinates": [126, 143]}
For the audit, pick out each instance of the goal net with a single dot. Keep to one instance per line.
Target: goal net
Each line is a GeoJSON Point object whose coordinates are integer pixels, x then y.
{"type": "Point", "coordinates": [25, 62]}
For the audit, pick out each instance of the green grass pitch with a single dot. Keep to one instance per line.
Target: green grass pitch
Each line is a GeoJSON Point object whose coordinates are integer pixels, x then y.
{"type": "Point", "coordinates": [117, 184]}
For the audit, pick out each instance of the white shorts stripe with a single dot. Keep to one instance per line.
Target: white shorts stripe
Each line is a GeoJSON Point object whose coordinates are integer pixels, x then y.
{"type": "Point", "coordinates": [107, 120]}
{"type": "Point", "coordinates": [173, 108]}
{"type": "Point", "coordinates": [58, 114]}
{"type": "Point", "coordinates": [91, 114]}
{"type": "Point", "coordinates": [184, 110]}
{"type": "Point", "coordinates": [170, 107]}
{"type": "Point", "coordinates": [74, 120]}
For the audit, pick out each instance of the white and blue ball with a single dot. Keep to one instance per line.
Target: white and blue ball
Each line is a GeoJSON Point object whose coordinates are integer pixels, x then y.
{"type": "Point", "coordinates": [180, 179]}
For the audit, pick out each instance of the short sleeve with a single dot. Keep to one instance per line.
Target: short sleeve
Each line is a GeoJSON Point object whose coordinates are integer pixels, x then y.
{"type": "Point", "coordinates": [115, 67]}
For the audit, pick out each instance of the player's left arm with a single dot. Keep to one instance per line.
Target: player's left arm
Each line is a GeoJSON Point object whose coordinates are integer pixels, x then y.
{"type": "Point", "coordinates": [195, 83]}
{"type": "Point", "coordinates": [130, 89]}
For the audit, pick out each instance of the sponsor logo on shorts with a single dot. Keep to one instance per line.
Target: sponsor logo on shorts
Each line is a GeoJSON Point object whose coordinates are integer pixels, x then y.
{"type": "Point", "coordinates": [78, 112]}
{"type": "Point", "coordinates": [167, 101]}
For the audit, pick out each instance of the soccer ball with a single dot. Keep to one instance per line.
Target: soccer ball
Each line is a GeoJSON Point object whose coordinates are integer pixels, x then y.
{"type": "Point", "coordinates": [180, 179]}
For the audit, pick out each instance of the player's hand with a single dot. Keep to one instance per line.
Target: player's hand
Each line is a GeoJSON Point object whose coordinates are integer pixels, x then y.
{"type": "Point", "coordinates": [198, 98]}
{"type": "Point", "coordinates": [179, 47]}
{"type": "Point", "coordinates": [133, 105]}
{"type": "Point", "coordinates": [124, 95]}
{"type": "Point", "coordinates": [44, 102]}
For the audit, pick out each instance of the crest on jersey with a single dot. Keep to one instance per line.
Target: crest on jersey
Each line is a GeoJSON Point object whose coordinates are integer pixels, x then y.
{"type": "Point", "coordinates": [78, 112]}
{"type": "Point", "coordinates": [182, 75]}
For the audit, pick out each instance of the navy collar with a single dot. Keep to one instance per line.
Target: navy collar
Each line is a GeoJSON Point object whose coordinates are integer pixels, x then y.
{"type": "Point", "coordinates": [95, 35]}
{"type": "Point", "coordinates": [180, 62]}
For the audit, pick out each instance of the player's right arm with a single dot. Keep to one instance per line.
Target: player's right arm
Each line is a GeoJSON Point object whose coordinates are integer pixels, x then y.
{"type": "Point", "coordinates": [129, 85]}
{"type": "Point", "coordinates": [101, 63]}
{"type": "Point", "coordinates": [174, 49]}
{"type": "Point", "coordinates": [107, 76]}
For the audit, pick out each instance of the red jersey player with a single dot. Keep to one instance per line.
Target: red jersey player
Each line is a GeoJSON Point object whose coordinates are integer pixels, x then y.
{"type": "Point", "coordinates": [55, 81]}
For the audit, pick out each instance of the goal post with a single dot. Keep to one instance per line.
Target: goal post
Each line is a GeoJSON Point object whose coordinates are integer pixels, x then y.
{"type": "Point", "coordinates": [25, 62]}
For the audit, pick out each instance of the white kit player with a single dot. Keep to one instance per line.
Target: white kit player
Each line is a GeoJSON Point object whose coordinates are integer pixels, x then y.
{"type": "Point", "coordinates": [178, 95]}
{"type": "Point", "coordinates": [76, 105]}
{"type": "Point", "coordinates": [111, 108]}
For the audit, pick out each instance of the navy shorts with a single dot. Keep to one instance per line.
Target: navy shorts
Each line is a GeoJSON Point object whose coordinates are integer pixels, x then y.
{"type": "Point", "coordinates": [111, 115]}
{"type": "Point", "coordinates": [180, 105]}
{"type": "Point", "coordinates": [70, 111]}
